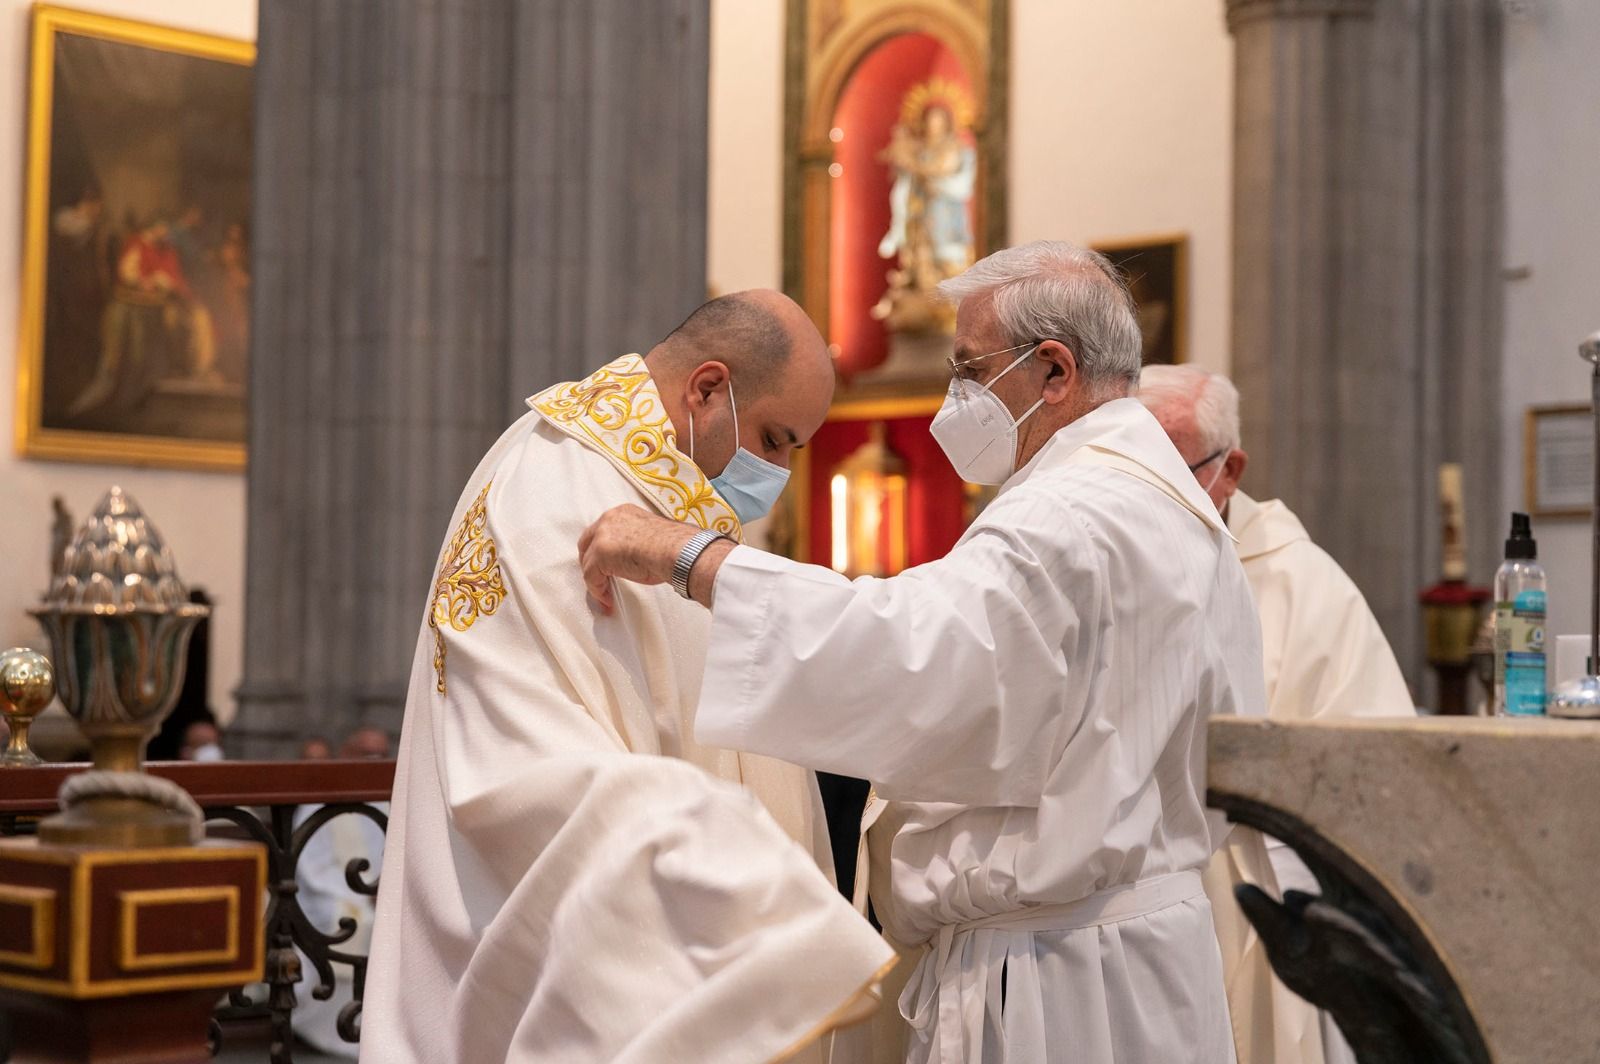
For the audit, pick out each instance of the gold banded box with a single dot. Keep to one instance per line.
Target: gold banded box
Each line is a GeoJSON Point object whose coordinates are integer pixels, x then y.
{"type": "Point", "coordinates": [92, 922]}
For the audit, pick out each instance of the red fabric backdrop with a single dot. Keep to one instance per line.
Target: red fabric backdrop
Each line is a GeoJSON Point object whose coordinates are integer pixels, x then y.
{"type": "Point", "coordinates": [868, 109]}
{"type": "Point", "coordinates": [933, 491]}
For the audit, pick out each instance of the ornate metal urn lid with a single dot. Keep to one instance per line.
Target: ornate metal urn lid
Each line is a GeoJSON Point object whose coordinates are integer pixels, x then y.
{"type": "Point", "coordinates": [118, 563]}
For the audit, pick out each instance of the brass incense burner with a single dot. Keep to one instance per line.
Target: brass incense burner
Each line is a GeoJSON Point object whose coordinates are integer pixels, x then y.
{"type": "Point", "coordinates": [119, 622]}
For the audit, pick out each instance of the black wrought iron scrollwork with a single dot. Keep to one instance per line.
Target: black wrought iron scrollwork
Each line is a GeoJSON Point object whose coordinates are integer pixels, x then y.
{"type": "Point", "coordinates": [1356, 953]}
{"type": "Point", "coordinates": [290, 934]}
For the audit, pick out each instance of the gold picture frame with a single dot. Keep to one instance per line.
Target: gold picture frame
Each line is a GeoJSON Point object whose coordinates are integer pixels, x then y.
{"type": "Point", "coordinates": [1558, 460]}
{"type": "Point", "coordinates": [213, 439]}
{"type": "Point", "coordinates": [1157, 263]}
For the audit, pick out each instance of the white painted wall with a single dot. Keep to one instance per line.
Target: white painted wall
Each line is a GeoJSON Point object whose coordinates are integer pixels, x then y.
{"type": "Point", "coordinates": [201, 514]}
{"type": "Point", "coordinates": [744, 238]}
{"type": "Point", "coordinates": [1121, 126]}
{"type": "Point", "coordinates": [1552, 86]}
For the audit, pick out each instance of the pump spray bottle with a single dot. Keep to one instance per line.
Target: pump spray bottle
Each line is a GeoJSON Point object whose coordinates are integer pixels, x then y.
{"type": "Point", "coordinates": [1519, 609]}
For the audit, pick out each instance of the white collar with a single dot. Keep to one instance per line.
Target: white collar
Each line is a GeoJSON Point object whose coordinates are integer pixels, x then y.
{"type": "Point", "coordinates": [1126, 428]}
{"type": "Point", "coordinates": [1263, 527]}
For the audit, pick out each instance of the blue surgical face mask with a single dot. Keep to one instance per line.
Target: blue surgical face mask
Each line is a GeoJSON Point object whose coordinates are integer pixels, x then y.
{"type": "Point", "coordinates": [749, 484]}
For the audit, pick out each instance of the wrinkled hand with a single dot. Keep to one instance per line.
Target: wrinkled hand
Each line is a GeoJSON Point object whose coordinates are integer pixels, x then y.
{"type": "Point", "coordinates": [630, 543]}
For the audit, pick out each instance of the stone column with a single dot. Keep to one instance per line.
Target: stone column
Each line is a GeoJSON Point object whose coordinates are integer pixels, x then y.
{"type": "Point", "coordinates": [608, 126]}
{"type": "Point", "coordinates": [1365, 290]}
{"type": "Point", "coordinates": [458, 202]}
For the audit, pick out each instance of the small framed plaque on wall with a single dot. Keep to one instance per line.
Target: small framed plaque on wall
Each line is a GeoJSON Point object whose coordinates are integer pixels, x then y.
{"type": "Point", "coordinates": [1558, 460]}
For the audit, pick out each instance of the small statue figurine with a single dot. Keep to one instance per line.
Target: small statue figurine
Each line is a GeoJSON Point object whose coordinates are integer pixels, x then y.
{"type": "Point", "coordinates": [935, 171]}
{"type": "Point", "coordinates": [61, 532]}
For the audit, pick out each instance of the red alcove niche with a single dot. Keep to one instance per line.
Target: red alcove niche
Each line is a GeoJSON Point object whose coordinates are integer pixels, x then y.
{"type": "Point", "coordinates": [867, 111]}
{"type": "Point", "coordinates": [935, 515]}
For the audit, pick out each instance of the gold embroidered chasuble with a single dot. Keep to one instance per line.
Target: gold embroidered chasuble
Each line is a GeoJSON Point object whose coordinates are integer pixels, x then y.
{"type": "Point", "coordinates": [549, 893]}
{"type": "Point", "coordinates": [617, 411]}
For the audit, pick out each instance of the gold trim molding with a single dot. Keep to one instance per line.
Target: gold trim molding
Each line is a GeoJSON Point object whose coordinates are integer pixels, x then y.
{"type": "Point", "coordinates": [134, 903]}
{"type": "Point", "coordinates": [82, 864]}
{"type": "Point", "coordinates": [41, 903]}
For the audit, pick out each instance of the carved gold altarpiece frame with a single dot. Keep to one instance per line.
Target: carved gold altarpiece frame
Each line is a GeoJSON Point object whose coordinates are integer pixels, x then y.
{"type": "Point", "coordinates": [826, 40]}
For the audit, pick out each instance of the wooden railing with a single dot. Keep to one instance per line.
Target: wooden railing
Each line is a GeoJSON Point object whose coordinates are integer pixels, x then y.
{"type": "Point", "coordinates": [31, 792]}
{"type": "Point", "coordinates": [258, 800]}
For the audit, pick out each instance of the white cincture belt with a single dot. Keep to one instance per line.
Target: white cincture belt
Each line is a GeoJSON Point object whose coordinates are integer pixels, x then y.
{"type": "Point", "coordinates": [940, 969]}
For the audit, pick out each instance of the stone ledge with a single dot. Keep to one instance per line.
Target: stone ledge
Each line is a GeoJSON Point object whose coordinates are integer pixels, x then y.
{"type": "Point", "coordinates": [1478, 833]}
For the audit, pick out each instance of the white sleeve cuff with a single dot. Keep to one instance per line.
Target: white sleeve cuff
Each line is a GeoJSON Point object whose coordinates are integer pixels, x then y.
{"type": "Point", "coordinates": [744, 585]}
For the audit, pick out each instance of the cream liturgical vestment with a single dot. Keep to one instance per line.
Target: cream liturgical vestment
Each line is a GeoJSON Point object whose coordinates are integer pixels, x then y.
{"type": "Point", "coordinates": [570, 877]}
{"type": "Point", "coordinates": [1033, 708]}
{"type": "Point", "coordinates": [1324, 656]}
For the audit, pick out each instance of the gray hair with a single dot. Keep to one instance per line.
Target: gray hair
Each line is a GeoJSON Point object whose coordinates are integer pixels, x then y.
{"type": "Point", "coordinates": [1211, 397]}
{"type": "Point", "coordinates": [1053, 290]}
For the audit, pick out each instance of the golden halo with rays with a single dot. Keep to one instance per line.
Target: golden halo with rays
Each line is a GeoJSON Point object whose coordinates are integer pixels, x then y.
{"type": "Point", "coordinates": [952, 95]}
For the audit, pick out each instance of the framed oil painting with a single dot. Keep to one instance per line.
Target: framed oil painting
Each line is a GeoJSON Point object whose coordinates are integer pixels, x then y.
{"type": "Point", "coordinates": [1157, 271]}
{"type": "Point", "coordinates": [136, 264]}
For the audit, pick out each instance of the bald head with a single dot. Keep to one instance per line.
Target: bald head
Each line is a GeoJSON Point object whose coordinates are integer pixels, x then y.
{"type": "Point", "coordinates": [757, 333]}
{"type": "Point", "coordinates": [755, 355]}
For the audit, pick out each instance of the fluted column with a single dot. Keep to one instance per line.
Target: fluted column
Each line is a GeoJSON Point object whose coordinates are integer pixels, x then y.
{"type": "Point", "coordinates": [1365, 278]}
{"type": "Point", "coordinates": [458, 202]}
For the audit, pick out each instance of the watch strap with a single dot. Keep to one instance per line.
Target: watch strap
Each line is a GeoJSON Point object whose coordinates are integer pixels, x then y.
{"type": "Point", "coordinates": [684, 565]}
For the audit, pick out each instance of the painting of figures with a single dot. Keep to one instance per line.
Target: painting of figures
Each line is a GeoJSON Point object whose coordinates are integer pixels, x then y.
{"type": "Point", "coordinates": [137, 270]}
{"type": "Point", "coordinates": [1155, 268]}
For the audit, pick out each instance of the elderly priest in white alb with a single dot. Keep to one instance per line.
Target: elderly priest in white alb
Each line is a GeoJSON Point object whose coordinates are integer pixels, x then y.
{"type": "Point", "coordinates": [1032, 706]}
{"type": "Point", "coordinates": [1325, 657]}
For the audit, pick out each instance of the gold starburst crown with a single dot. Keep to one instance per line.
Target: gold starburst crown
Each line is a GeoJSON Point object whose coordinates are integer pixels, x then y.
{"type": "Point", "coordinates": [938, 92]}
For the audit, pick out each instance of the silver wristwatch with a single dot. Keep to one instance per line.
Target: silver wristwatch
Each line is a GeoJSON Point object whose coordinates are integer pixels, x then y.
{"type": "Point", "coordinates": [688, 556]}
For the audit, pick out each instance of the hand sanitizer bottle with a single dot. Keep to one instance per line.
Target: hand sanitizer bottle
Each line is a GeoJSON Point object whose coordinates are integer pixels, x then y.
{"type": "Point", "coordinates": [1519, 605]}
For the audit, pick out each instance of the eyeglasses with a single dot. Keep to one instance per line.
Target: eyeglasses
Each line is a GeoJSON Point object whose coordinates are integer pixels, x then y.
{"type": "Point", "coordinates": [958, 368]}
{"type": "Point", "coordinates": [1208, 459]}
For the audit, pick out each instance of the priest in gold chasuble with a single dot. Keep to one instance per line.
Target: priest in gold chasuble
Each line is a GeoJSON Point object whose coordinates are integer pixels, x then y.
{"type": "Point", "coordinates": [570, 876]}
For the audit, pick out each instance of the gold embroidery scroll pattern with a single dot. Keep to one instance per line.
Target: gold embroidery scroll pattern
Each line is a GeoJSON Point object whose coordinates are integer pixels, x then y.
{"type": "Point", "coordinates": [619, 412]}
{"type": "Point", "coordinates": [470, 584]}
